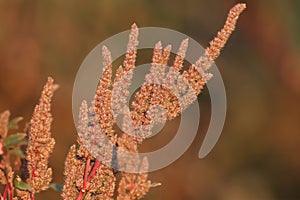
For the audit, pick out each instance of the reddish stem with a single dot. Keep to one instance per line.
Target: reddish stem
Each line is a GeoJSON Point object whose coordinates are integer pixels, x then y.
{"type": "Point", "coordinates": [94, 170]}
{"type": "Point", "coordinates": [88, 177]}
{"type": "Point", "coordinates": [80, 195]}
{"type": "Point", "coordinates": [32, 177]}
{"type": "Point", "coordinates": [32, 173]}
{"type": "Point", "coordinates": [5, 192]}
{"type": "Point", "coordinates": [10, 191]}
{"type": "Point", "coordinates": [32, 196]}
{"type": "Point", "coordinates": [85, 180]}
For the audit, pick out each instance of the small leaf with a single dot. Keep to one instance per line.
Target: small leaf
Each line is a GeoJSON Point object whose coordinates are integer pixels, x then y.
{"type": "Point", "coordinates": [17, 151]}
{"type": "Point", "coordinates": [18, 183]}
{"type": "Point", "coordinates": [57, 187]}
{"type": "Point", "coordinates": [155, 184]}
{"type": "Point", "coordinates": [13, 124]}
{"type": "Point", "coordinates": [14, 139]}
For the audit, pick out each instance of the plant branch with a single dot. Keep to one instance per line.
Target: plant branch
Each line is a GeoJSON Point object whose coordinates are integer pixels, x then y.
{"type": "Point", "coordinates": [85, 180]}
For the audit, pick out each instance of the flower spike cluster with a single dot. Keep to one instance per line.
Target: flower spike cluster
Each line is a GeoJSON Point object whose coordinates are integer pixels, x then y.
{"type": "Point", "coordinates": [91, 170]}
{"type": "Point", "coordinates": [167, 91]}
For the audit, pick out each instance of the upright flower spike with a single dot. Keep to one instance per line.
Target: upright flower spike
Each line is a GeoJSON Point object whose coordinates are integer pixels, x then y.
{"type": "Point", "coordinates": [40, 142]}
{"type": "Point", "coordinates": [197, 75]}
{"type": "Point", "coordinates": [84, 134]}
{"type": "Point", "coordinates": [74, 169]}
{"type": "Point", "coordinates": [142, 97]}
{"type": "Point", "coordinates": [103, 96]}
{"type": "Point", "coordinates": [86, 176]}
{"type": "Point", "coordinates": [217, 44]}
{"type": "Point", "coordinates": [98, 179]}
{"type": "Point", "coordinates": [124, 74]}
{"type": "Point", "coordinates": [130, 57]}
{"type": "Point", "coordinates": [178, 62]}
{"type": "Point", "coordinates": [154, 74]}
{"type": "Point", "coordinates": [4, 118]}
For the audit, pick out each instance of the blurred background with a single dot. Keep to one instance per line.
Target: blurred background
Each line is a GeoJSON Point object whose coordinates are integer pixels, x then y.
{"type": "Point", "coordinates": [257, 156]}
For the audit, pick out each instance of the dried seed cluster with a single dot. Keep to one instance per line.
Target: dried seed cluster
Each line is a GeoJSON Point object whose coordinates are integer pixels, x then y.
{"type": "Point", "coordinates": [164, 95]}
{"type": "Point", "coordinates": [40, 142]}
{"type": "Point", "coordinates": [90, 170]}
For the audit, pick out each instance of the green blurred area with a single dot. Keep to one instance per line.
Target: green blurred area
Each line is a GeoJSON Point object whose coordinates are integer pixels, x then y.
{"type": "Point", "coordinates": [257, 156]}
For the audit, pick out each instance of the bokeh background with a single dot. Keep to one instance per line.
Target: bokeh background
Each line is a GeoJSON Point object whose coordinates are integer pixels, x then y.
{"type": "Point", "coordinates": [257, 156]}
